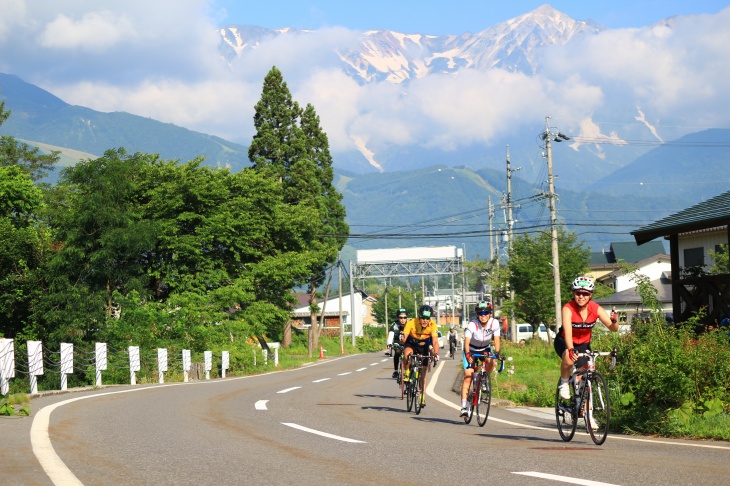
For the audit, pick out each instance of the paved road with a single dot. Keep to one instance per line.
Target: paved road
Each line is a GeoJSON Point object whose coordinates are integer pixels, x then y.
{"type": "Point", "coordinates": [339, 421]}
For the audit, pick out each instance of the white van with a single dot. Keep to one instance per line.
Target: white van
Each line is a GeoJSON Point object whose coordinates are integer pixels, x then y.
{"type": "Point", "coordinates": [526, 331]}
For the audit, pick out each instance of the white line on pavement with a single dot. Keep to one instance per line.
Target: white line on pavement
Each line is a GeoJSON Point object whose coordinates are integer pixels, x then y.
{"type": "Point", "coordinates": [361, 369]}
{"type": "Point", "coordinates": [565, 479]}
{"type": "Point", "coordinates": [323, 434]}
{"type": "Point", "coordinates": [261, 405]}
{"type": "Point", "coordinates": [287, 390]}
{"type": "Point", "coordinates": [320, 380]}
{"type": "Point", "coordinates": [345, 373]}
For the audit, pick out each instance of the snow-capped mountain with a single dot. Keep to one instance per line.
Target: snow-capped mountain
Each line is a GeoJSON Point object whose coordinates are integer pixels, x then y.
{"type": "Point", "coordinates": [399, 57]}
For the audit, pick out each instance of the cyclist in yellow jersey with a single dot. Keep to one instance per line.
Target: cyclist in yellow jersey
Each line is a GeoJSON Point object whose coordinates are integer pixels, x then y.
{"type": "Point", "coordinates": [419, 335]}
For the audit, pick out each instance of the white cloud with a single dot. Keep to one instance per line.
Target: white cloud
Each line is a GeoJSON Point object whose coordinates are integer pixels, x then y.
{"type": "Point", "coordinates": [160, 59]}
{"type": "Point", "coordinates": [94, 31]}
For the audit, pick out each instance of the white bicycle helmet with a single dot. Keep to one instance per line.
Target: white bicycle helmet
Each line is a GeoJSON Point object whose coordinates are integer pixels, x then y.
{"type": "Point", "coordinates": [582, 283]}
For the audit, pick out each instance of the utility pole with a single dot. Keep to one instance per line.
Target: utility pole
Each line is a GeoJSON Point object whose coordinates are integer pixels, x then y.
{"type": "Point", "coordinates": [491, 216]}
{"type": "Point", "coordinates": [548, 137]}
{"type": "Point", "coordinates": [510, 224]}
{"type": "Point", "coordinates": [339, 285]}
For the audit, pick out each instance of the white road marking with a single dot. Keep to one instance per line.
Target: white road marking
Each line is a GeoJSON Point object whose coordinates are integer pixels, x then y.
{"type": "Point", "coordinates": [361, 369]}
{"type": "Point", "coordinates": [374, 364]}
{"type": "Point", "coordinates": [261, 405]}
{"type": "Point", "coordinates": [565, 479]}
{"type": "Point", "coordinates": [287, 390]}
{"type": "Point", "coordinates": [320, 380]}
{"type": "Point", "coordinates": [384, 360]}
{"type": "Point", "coordinates": [345, 373]}
{"type": "Point", "coordinates": [323, 434]}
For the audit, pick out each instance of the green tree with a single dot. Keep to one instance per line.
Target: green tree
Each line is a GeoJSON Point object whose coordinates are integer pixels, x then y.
{"type": "Point", "coordinates": [290, 146]}
{"type": "Point", "coordinates": [23, 248]}
{"type": "Point", "coordinates": [531, 273]}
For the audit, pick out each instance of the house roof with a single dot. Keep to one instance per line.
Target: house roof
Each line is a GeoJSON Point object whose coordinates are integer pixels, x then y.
{"type": "Point", "coordinates": [627, 251]}
{"type": "Point", "coordinates": [631, 296]}
{"type": "Point", "coordinates": [708, 214]}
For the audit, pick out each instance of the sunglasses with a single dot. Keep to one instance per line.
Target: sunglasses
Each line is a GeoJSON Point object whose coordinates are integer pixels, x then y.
{"type": "Point", "coordinates": [583, 294]}
{"type": "Point", "coordinates": [483, 313]}
{"type": "Point", "coordinates": [402, 317]}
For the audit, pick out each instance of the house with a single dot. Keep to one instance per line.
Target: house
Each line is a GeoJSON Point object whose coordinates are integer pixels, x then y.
{"type": "Point", "coordinates": [302, 316]}
{"type": "Point", "coordinates": [605, 262]}
{"type": "Point", "coordinates": [692, 233]}
{"type": "Point", "coordinates": [627, 303]}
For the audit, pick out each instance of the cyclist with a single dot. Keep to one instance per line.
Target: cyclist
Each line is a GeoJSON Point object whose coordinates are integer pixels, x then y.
{"type": "Point", "coordinates": [579, 316]}
{"type": "Point", "coordinates": [419, 335]}
{"type": "Point", "coordinates": [397, 329]}
{"type": "Point", "coordinates": [478, 339]}
{"type": "Point", "coordinates": [453, 338]}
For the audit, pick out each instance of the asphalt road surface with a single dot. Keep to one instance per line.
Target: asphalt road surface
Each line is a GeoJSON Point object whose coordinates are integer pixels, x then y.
{"type": "Point", "coordinates": [338, 421]}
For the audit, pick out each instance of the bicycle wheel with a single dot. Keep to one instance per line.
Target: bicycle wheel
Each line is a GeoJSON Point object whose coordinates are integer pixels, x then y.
{"type": "Point", "coordinates": [418, 391]}
{"type": "Point", "coordinates": [598, 415]}
{"type": "Point", "coordinates": [410, 391]}
{"type": "Point", "coordinates": [485, 399]}
{"type": "Point", "coordinates": [470, 397]}
{"type": "Point", "coordinates": [400, 381]}
{"type": "Point", "coordinates": [565, 414]}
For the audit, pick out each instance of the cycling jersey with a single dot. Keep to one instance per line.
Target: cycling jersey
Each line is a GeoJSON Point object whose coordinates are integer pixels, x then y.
{"type": "Point", "coordinates": [418, 337]}
{"type": "Point", "coordinates": [582, 329]}
{"type": "Point", "coordinates": [480, 336]}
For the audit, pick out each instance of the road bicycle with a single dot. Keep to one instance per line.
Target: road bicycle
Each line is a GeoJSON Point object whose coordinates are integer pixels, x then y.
{"type": "Point", "coordinates": [414, 389]}
{"type": "Point", "coordinates": [588, 400]}
{"type": "Point", "coordinates": [452, 349]}
{"type": "Point", "coordinates": [479, 398]}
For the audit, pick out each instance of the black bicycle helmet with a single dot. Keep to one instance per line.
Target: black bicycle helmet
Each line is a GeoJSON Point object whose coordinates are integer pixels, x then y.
{"type": "Point", "coordinates": [425, 311]}
{"type": "Point", "coordinates": [401, 312]}
{"type": "Point", "coordinates": [483, 307]}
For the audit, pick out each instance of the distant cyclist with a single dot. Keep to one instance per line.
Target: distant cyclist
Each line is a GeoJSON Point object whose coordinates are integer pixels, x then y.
{"type": "Point", "coordinates": [419, 335]}
{"type": "Point", "coordinates": [397, 330]}
{"type": "Point", "coordinates": [580, 315]}
{"type": "Point", "coordinates": [478, 340]}
{"type": "Point", "coordinates": [453, 339]}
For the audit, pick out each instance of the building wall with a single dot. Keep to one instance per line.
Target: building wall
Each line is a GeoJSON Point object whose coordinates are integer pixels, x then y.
{"type": "Point", "coordinates": [653, 271]}
{"type": "Point", "coordinates": [707, 240]}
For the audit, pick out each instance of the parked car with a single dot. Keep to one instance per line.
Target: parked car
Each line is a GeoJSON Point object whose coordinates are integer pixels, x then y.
{"type": "Point", "coordinates": [527, 331]}
{"type": "Point", "coordinates": [543, 331]}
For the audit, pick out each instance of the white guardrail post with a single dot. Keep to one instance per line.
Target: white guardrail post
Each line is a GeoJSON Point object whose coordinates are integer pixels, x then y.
{"type": "Point", "coordinates": [35, 364]}
{"type": "Point", "coordinates": [275, 347]}
{"type": "Point", "coordinates": [100, 360]}
{"type": "Point", "coordinates": [186, 364]}
{"type": "Point", "coordinates": [161, 364]}
{"type": "Point", "coordinates": [133, 364]}
{"type": "Point", "coordinates": [208, 358]}
{"type": "Point", "coordinates": [7, 364]}
{"type": "Point", "coordinates": [67, 363]}
{"type": "Point", "coordinates": [225, 363]}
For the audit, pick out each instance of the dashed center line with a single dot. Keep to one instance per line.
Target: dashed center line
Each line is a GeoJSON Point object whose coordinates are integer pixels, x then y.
{"type": "Point", "coordinates": [287, 390]}
{"type": "Point", "coordinates": [261, 405]}
{"type": "Point", "coordinates": [320, 380]}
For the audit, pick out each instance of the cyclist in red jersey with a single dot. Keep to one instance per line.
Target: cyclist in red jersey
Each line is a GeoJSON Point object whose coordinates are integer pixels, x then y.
{"type": "Point", "coordinates": [579, 317]}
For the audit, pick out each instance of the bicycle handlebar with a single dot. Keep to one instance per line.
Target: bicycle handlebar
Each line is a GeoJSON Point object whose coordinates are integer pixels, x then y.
{"type": "Point", "coordinates": [594, 354]}
{"type": "Point", "coordinates": [492, 356]}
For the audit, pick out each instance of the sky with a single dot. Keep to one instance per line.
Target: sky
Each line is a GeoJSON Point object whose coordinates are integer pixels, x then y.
{"type": "Point", "coordinates": [160, 59]}
{"type": "Point", "coordinates": [439, 17]}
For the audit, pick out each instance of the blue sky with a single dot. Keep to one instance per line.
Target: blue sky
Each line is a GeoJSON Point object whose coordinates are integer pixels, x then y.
{"type": "Point", "coordinates": [448, 17]}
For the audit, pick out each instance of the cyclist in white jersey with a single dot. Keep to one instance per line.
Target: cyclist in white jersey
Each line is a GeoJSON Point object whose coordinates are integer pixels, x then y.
{"type": "Point", "coordinates": [477, 340]}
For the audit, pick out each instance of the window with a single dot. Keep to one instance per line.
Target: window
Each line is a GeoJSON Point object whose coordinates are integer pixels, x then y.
{"type": "Point", "coordinates": [694, 257]}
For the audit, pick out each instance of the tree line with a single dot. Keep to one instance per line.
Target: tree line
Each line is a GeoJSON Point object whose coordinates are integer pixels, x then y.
{"type": "Point", "coordinates": [132, 249]}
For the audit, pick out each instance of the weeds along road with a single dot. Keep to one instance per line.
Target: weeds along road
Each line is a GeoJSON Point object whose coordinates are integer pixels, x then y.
{"type": "Point", "coordinates": [338, 421]}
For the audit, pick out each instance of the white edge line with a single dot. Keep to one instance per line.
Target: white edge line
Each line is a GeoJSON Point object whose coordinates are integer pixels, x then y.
{"type": "Point", "coordinates": [261, 405]}
{"type": "Point", "coordinates": [40, 440]}
{"type": "Point", "coordinates": [565, 479]}
{"type": "Point", "coordinates": [432, 394]}
{"type": "Point", "coordinates": [323, 434]}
